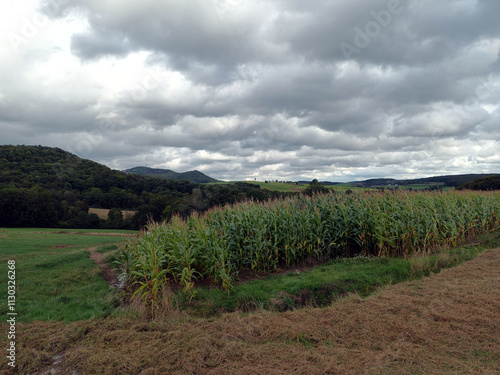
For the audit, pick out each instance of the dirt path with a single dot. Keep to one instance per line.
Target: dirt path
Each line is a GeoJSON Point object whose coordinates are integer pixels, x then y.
{"type": "Point", "coordinates": [448, 323]}
{"type": "Point", "coordinates": [107, 272]}
{"type": "Point", "coordinates": [96, 234]}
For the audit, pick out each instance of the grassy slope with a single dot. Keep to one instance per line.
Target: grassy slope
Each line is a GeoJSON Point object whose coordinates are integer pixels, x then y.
{"type": "Point", "coordinates": [287, 187]}
{"type": "Point", "coordinates": [55, 277]}
{"type": "Point", "coordinates": [278, 186]}
{"type": "Point", "coordinates": [272, 186]}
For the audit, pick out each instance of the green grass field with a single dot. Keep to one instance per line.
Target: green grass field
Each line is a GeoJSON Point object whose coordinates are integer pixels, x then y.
{"type": "Point", "coordinates": [279, 186]}
{"type": "Point", "coordinates": [440, 185]}
{"type": "Point", "coordinates": [292, 187]}
{"type": "Point", "coordinates": [55, 277]}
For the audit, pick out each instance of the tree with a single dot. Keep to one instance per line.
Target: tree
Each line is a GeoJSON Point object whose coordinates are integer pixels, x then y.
{"type": "Point", "coordinates": [81, 206]}
{"type": "Point", "coordinates": [316, 187]}
{"type": "Point", "coordinates": [94, 221]}
{"type": "Point", "coordinates": [27, 208]}
{"type": "Point", "coordinates": [115, 218]}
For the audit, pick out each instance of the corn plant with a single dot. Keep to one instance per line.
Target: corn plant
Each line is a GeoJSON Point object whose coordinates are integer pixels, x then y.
{"type": "Point", "coordinates": [146, 265]}
{"type": "Point", "coordinates": [301, 230]}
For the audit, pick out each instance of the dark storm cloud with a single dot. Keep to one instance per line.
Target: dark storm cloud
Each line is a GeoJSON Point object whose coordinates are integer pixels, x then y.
{"type": "Point", "coordinates": [37, 114]}
{"type": "Point", "coordinates": [201, 38]}
{"type": "Point", "coordinates": [97, 44]}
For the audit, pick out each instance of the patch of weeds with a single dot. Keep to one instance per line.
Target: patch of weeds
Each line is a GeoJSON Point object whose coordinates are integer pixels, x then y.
{"type": "Point", "coordinates": [486, 356]}
{"type": "Point", "coordinates": [110, 260]}
{"type": "Point", "coordinates": [301, 339]}
{"type": "Point", "coordinates": [283, 302]}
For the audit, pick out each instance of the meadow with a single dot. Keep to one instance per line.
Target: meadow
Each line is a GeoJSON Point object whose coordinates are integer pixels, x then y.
{"type": "Point", "coordinates": [290, 187]}
{"type": "Point", "coordinates": [56, 279]}
{"type": "Point", "coordinates": [279, 186]}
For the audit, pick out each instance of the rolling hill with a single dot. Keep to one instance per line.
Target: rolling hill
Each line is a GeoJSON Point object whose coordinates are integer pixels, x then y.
{"type": "Point", "coordinates": [448, 180]}
{"type": "Point", "coordinates": [484, 183]}
{"type": "Point", "coordinates": [192, 176]}
{"type": "Point", "coordinates": [49, 187]}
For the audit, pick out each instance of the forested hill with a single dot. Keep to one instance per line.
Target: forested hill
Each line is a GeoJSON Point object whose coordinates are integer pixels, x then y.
{"type": "Point", "coordinates": [49, 187]}
{"type": "Point", "coordinates": [485, 183]}
{"type": "Point", "coordinates": [58, 170]}
{"type": "Point", "coordinates": [192, 176]}
{"type": "Point", "coordinates": [450, 180]}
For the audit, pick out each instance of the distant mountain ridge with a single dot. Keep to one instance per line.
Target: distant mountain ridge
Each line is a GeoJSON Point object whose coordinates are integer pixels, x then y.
{"type": "Point", "coordinates": [448, 180]}
{"type": "Point", "coordinates": [191, 176]}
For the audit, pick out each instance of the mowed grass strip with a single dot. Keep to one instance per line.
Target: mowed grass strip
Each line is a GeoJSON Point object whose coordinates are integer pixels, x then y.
{"type": "Point", "coordinates": [55, 277]}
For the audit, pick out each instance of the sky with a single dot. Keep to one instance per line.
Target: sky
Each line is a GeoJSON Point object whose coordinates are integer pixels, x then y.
{"type": "Point", "coordinates": [337, 90]}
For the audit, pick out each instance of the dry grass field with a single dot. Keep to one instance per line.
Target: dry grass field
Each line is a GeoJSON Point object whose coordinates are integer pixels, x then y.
{"type": "Point", "coordinates": [448, 323]}
{"type": "Point", "coordinates": [103, 213]}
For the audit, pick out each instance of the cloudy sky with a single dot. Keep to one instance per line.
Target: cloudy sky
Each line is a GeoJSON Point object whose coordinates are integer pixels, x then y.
{"type": "Point", "coordinates": [337, 90]}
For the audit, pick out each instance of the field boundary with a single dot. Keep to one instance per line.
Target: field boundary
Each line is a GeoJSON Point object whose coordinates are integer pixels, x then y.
{"type": "Point", "coordinates": [112, 234]}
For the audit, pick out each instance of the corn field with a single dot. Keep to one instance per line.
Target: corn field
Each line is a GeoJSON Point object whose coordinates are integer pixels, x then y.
{"type": "Point", "coordinates": [302, 230]}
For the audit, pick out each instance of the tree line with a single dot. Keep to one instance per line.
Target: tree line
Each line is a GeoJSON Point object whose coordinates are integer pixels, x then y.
{"type": "Point", "coordinates": [484, 183]}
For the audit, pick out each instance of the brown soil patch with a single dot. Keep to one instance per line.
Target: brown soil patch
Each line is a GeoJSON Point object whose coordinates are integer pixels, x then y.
{"type": "Point", "coordinates": [98, 234]}
{"type": "Point", "coordinates": [448, 323]}
{"type": "Point", "coordinates": [62, 246]}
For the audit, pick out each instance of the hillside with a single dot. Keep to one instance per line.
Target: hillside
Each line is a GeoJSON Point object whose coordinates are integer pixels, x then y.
{"type": "Point", "coordinates": [192, 176]}
{"type": "Point", "coordinates": [48, 168]}
{"type": "Point", "coordinates": [448, 180]}
{"type": "Point", "coordinates": [484, 183]}
{"type": "Point", "coordinates": [49, 187]}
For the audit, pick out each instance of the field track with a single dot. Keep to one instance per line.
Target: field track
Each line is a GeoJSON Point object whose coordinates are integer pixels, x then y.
{"type": "Point", "coordinates": [97, 234]}
{"type": "Point", "coordinates": [448, 323]}
{"type": "Point", "coordinates": [107, 272]}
